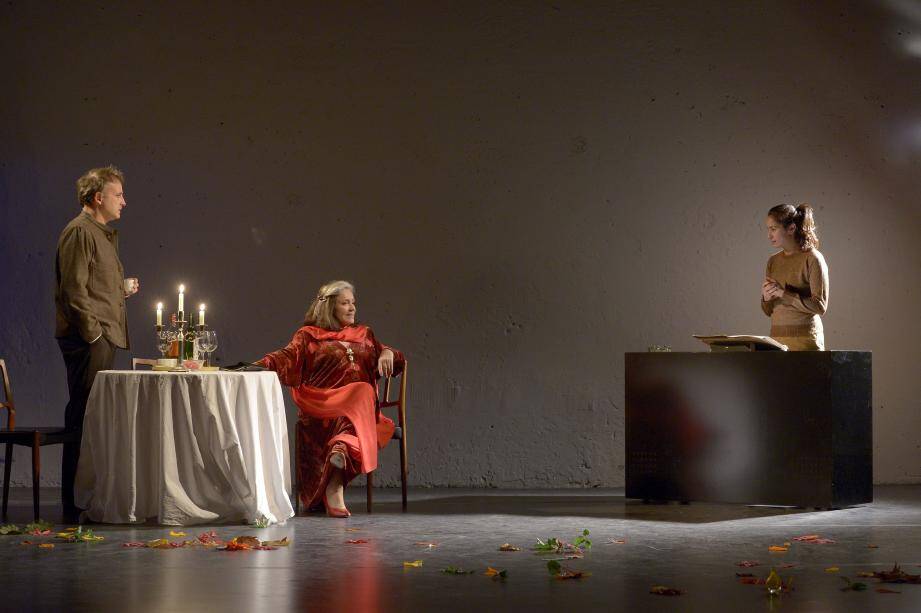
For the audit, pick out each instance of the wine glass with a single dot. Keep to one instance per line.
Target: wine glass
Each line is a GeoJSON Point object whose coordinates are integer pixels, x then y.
{"type": "Point", "coordinates": [164, 340]}
{"type": "Point", "coordinates": [207, 342]}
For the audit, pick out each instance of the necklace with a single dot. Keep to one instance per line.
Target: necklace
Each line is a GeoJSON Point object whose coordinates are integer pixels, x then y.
{"type": "Point", "coordinates": [350, 354]}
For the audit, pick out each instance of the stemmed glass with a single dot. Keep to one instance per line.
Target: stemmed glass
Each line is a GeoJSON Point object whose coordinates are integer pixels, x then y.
{"type": "Point", "coordinates": [164, 340]}
{"type": "Point", "coordinates": [207, 342]}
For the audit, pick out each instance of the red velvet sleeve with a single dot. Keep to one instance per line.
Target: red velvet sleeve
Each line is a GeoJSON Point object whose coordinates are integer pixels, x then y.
{"type": "Point", "coordinates": [398, 359]}
{"type": "Point", "coordinates": [291, 362]}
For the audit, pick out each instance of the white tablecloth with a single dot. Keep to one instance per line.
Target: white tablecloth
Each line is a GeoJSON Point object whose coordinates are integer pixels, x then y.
{"type": "Point", "coordinates": [186, 448]}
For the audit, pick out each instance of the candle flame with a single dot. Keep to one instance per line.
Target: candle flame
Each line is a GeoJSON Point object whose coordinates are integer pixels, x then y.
{"type": "Point", "coordinates": [201, 307]}
{"type": "Point", "coordinates": [159, 306]}
{"type": "Point", "coordinates": [181, 288]}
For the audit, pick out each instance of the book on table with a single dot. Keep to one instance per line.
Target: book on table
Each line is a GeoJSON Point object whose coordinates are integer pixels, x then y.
{"type": "Point", "coordinates": [740, 342]}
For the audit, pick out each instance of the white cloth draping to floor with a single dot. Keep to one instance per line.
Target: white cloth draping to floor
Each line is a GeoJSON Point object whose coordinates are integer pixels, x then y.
{"type": "Point", "coordinates": [185, 448]}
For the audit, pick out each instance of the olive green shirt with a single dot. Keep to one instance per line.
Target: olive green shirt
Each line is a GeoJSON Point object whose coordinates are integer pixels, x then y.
{"type": "Point", "coordinates": [89, 293]}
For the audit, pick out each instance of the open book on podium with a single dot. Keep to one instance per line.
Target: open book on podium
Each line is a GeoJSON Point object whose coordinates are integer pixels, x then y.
{"type": "Point", "coordinates": [740, 342]}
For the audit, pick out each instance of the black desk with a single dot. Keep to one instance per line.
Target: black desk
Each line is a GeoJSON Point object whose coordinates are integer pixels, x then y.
{"type": "Point", "coordinates": [763, 427]}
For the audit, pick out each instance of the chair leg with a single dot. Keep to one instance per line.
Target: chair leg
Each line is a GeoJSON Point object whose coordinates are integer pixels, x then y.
{"type": "Point", "coordinates": [6, 477]}
{"type": "Point", "coordinates": [403, 471]}
{"type": "Point", "coordinates": [36, 471]}
{"type": "Point", "coordinates": [370, 490]}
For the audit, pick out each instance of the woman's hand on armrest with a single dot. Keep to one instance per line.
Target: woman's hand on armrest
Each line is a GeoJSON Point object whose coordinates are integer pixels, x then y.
{"type": "Point", "coordinates": [385, 363]}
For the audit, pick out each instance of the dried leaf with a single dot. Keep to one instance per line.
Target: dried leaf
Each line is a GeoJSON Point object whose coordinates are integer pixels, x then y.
{"type": "Point", "coordinates": [896, 575]}
{"type": "Point", "coordinates": [853, 586]}
{"type": "Point", "coordinates": [777, 548]}
{"type": "Point", "coordinates": [561, 572]}
{"type": "Point", "coordinates": [662, 590]}
{"type": "Point", "coordinates": [174, 533]}
{"type": "Point", "coordinates": [209, 538]}
{"type": "Point", "coordinates": [26, 543]}
{"type": "Point", "coordinates": [872, 546]}
{"type": "Point", "coordinates": [356, 542]}
{"type": "Point", "coordinates": [39, 528]}
{"type": "Point", "coordinates": [46, 545]}
{"type": "Point", "coordinates": [453, 570]}
{"type": "Point", "coordinates": [495, 573]}
{"type": "Point", "coordinates": [413, 564]}
{"type": "Point", "coordinates": [508, 547]}
{"type": "Point", "coordinates": [616, 541]}
{"type": "Point", "coordinates": [73, 535]}
{"type": "Point", "coordinates": [748, 563]}
{"type": "Point", "coordinates": [353, 529]}
{"type": "Point", "coordinates": [832, 569]}
{"type": "Point", "coordinates": [262, 522]}
{"type": "Point", "coordinates": [284, 542]}
{"type": "Point", "coordinates": [886, 590]}
{"type": "Point", "coordinates": [249, 541]}
{"type": "Point", "coordinates": [814, 539]}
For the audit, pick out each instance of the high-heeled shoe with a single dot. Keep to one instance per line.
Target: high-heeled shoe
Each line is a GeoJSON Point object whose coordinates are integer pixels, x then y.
{"type": "Point", "coordinates": [334, 512]}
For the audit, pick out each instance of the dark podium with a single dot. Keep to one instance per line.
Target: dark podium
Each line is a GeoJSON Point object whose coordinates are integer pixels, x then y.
{"type": "Point", "coordinates": [759, 427]}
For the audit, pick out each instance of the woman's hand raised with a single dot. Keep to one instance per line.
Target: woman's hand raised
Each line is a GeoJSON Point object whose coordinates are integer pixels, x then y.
{"type": "Point", "coordinates": [385, 363]}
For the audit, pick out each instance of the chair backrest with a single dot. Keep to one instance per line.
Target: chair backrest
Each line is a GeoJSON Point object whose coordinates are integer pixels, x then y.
{"type": "Point", "coordinates": [135, 362]}
{"type": "Point", "coordinates": [7, 402]}
{"type": "Point", "coordinates": [400, 402]}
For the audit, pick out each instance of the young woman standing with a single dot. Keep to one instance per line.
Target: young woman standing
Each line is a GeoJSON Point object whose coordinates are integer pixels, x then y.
{"type": "Point", "coordinates": [795, 289]}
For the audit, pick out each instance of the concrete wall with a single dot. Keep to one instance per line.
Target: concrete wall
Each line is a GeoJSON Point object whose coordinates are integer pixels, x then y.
{"type": "Point", "coordinates": [522, 192]}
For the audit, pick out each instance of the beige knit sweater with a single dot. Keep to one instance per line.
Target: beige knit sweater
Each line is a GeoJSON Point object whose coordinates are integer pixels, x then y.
{"type": "Point", "coordinates": [804, 276]}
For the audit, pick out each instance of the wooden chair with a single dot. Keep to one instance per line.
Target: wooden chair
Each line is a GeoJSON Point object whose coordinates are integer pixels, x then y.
{"type": "Point", "coordinates": [399, 434]}
{"type": "Point", "coordinates": [36, 438]}
{"type": "Point", "coordinates": [135, 362]}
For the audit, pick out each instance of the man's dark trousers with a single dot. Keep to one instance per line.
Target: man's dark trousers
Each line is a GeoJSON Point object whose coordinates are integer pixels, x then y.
{"type": "Point", "coordinates": [82, 360]}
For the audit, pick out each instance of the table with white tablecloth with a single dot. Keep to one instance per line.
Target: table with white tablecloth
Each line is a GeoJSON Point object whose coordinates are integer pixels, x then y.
{"type": "Point", "coordinates": [185, 448]}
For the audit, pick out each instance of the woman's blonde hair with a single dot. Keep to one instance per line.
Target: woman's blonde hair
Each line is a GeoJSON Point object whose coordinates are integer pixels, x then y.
{"type": "Point", "coordinates": [322, 311]}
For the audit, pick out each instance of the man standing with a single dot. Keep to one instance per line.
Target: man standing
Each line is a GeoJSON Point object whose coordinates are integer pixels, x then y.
{"type": "Point", "coordinates": [90, 299]}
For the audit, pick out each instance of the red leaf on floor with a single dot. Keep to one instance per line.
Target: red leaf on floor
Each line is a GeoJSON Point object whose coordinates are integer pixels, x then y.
{"type": "Point", "coordinates": [662, 590]}
{"type": "Point", "coordinates": [209, 538]}
{"type": "Point", "coordinates": [356, 542]}
{"type": "Point", "coordinates": [26, 543]}
{"type": "Point", "coordinates": [748, 563]}
{"type": "Point", "coordinates": [787, 566]}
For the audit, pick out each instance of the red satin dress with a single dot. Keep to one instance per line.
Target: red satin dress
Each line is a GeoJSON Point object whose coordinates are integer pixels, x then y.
{"type": "Point", "coordinates": [333, 375]}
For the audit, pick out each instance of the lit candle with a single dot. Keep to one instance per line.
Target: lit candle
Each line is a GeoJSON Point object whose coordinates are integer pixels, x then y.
{"type": "Point", "coordinates": [181, 298]}
{"type": "Point", "coordinates": [159, 313]}
{"type": "Point", "coordinates": [201, 314]}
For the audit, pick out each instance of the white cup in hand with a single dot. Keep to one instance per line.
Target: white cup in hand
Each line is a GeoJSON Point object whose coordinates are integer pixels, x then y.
{"type": "Point", "coordinates": [131, 286]}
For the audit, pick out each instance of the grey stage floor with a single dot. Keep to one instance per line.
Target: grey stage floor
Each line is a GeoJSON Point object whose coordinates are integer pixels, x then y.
{"type": "Point", "coordinates": [694, 548]}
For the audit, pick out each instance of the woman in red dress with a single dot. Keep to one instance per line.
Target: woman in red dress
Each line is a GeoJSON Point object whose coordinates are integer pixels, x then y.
{"type": "Point", "coordinates": [332, 365]}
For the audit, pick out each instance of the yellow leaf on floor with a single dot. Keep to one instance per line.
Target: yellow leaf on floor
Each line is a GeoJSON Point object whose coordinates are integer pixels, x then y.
{"type": "Point", "coordinates": [175, 533]}
{"type": "Point", "coordinates": [832, 569]}
{"type": "Point", "coordinates": [777, 548]}
{"type": "Point", "coordinates": [414, 564]}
